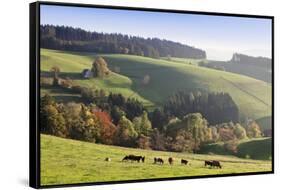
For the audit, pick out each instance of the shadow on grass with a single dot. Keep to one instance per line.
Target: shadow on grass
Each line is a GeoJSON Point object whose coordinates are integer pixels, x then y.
{"type": "Point", "coordinates": [63, 75]}
{"type": "Point", "coordinates": [163, 79]}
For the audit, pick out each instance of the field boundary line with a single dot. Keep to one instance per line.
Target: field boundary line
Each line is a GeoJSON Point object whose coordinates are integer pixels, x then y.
{"type": "Point", "coordinates": [245, 91]}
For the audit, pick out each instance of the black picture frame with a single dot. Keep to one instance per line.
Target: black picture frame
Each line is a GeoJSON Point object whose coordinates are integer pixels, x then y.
{"type": "Point", "coordinates": [34, 85]}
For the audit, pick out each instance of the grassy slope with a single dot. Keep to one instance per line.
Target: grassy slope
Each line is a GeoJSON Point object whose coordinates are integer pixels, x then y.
{"type": "Point", "coordinates": [245, 69]}
{"type": "Point", "coordinates": [184, 60]}
{"type": "Point", "coordinates": [71, 65]}
{"type": "Point", "coordinates": [254, 148]}
{"type": "Point", "coordinates": [252, 96]}
{"type": "Point", "coordinates": [68, 161]}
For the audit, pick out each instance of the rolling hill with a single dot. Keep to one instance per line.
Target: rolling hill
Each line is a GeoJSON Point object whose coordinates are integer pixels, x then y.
{"type": "Point", "coordinates": [252, 96]}
{"type": "Point", "coordinates": [65, 161]}
{"type": "Point", "coordinates": [259, 148]}
{"type": "Point", "coordinates": [256, 67]}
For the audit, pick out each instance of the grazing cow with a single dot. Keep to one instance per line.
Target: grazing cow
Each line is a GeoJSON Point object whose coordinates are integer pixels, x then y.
{"type": "Point", "coordinates": [137, 158]}
{"type": "Point", "coordinates": [216, 164]}
{"type": "Point", "coordinates": [126, 158]}
{"type": "Point", "coordinates": [107, 159]}
{"type": "Point", "coordinates": [213, 163]}
{"type": "Point", "coordinates": [184, 161]}
{"type": "Point", "coordinates": [171, 160]}
{"type": "Point", "coordinates": [158, 160]}
{"type": "Point", "coordinates": [208, 163]}
{"type": "Point", "coordinates": [142, 159]}
{"type": "Point", "coordinates": [133, 158]}
{"type": "Point", "coordinates": [155, 160]}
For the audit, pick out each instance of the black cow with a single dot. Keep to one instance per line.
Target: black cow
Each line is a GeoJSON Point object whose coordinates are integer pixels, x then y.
{"type": "Point", "coordinates": [216, 164]}
{"type": "Point", "coordinates": [208, 163]}
{"type": "Point", "coordinates": [158, 160]}
{"type": "Point", "coordinates": [213, 163]}
{"type": "Point", "coordinates": [184, 161]}
{"type": "Point", "coordinates": [126, 158]}
{"type": "Point", "coordinates": [132, 158]}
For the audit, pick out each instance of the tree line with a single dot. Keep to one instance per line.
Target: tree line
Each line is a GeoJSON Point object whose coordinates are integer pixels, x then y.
{"type": "Point", "coordinates": [263, 62]}
{"type": "Point", "coordinates": [116, 120]}
{"type": "Point", "coordinates": [215, 107]}
{"type": "Point", "coordinates": [76, 39]}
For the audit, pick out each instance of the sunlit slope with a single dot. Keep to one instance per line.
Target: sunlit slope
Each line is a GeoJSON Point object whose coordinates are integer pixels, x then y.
{"type": "Point", "coordinates": [65, 161]}
{"type": "Point", "coordinates": [154, 80]}
{"type": "Point", "coordinates": [72, 65]}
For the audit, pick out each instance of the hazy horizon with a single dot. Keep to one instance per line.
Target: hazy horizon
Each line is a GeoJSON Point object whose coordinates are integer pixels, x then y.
{"type": "Point", "coordinates": [219, 36]}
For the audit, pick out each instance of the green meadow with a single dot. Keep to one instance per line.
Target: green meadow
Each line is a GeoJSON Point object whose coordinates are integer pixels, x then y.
{"type": "Point", "coordinates": [258, 148]}
{"type": "Point", "coordinates": [65, 161]}
{"type": "Point", "coordinates": [252, 96]}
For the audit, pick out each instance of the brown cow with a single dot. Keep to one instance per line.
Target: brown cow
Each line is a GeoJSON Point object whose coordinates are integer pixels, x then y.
{"type": "Point", "coordinates": [158, 160]}
{"type": "Point", "coordinates": [171, 160]}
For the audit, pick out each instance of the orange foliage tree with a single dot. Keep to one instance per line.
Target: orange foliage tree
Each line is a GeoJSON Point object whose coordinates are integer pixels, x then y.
{"type": "Point", "coordinates": [108, 129]}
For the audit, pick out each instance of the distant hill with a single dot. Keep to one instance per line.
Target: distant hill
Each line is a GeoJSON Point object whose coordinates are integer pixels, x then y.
{"type": "Point", "coordinates": [76, 39]}
{"type": "Point", "coordinates": [253, 97]}
{"type": "Point", "coordinates": [256, 67]}
{"type": "Point", "coordinates": [250, 60]}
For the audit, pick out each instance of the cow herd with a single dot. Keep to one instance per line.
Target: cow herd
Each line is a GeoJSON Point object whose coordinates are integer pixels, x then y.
{"type": "Point", "coordinates": [171, 160]}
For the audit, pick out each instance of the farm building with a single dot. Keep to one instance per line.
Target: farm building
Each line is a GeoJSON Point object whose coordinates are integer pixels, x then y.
{"type": "Point", "coordinates": [87, 73]}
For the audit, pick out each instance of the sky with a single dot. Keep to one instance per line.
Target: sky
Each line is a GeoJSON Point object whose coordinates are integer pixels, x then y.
{"type": "Point", "coordinates": [219, 36]}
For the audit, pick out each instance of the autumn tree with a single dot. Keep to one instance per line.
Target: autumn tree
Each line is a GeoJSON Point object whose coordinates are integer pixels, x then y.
{"type": "Point", "coordinates": [226, 134]}
{"type": "Point", "coordinates": [239, 131]}
{"type": "Point", "coordinates": [52, 122]}
{"type": "Point", "coordinates": [231, 146]}
{"type": "Point", "coordinates": [158, 140]}
{"type": "Point", "coordinates": [215, 134]}
{"type": "Point", "coordinates": [196, 125]}
{"type": "Point", "coordinates": [183, 142]}
{"type": "Point", "coordinates": [108, 129]}
{"type": "Point", "coordinates": [126, 134]}
{"type": "Point", "coordinates": [253, 130]}
{"type": "Point", "coordinates": [142, 124]}
{"type": "Point", "coordinates": [143, 142]}
{"type": "Point", "coordinates": [99, 68]}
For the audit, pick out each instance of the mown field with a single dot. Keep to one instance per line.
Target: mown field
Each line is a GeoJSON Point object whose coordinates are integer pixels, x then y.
{"type": "Point", "coordinates": [65, 161]}
{"type": "Point", "coordinates": [252, 96]}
